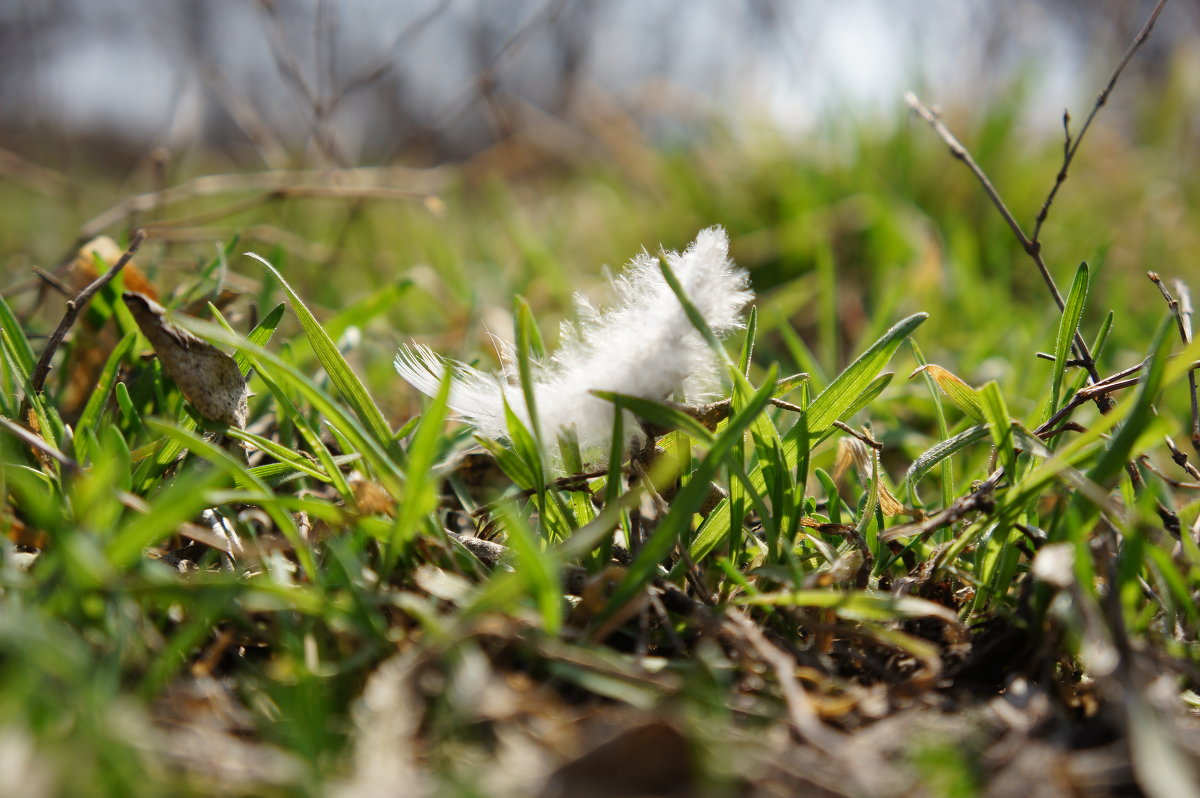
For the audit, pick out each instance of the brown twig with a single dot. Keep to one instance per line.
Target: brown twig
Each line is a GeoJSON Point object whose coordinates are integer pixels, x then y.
{"type": "Point", "coordinates": [74, 308]}
{"type": "Point", "coordinates": [488, 75]}
{"type": "Point", "coordinates": [1071, 146]}
{"type": "Point", "coordinates": [35, 441]}
{"type": "Point", "coordinates": [1181, 309]}
{"type": "Point", "coordinates": [862, 436]}
{"type": "Point", "coordinates": [978, 499]}
{"type": "Point", "coordinates": [49, 279]}
{"type": "Point", "coordinates": [572, 482]}
{"type": "Point", "coordinates": [1033, 249]}
{"type": "Point", "coordinates": [1158, 472]}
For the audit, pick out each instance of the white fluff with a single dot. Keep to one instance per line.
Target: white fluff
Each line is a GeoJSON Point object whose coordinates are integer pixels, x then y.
{"type": "Point", "coordinates": [643, 345]}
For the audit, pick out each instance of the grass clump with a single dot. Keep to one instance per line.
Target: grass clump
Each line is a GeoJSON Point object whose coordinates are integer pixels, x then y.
{"type": "Point", "coordinates": [821, 583]}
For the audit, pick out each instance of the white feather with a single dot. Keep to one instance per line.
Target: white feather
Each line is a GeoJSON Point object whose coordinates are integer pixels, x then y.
{"type": "Point", "coordinates": [643, 345]}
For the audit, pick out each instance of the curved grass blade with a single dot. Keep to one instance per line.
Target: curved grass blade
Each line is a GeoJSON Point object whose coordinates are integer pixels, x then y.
{"type": "Point", "coordinates": [90, 416]}
{"type": "Point", "coordinates": [22, 351]}
{"type": "Point", "coordinates": [1068, 325]}
{"type": "Point", "coordinates": [943, 450]}
{"type": "Point", "coordinates": [420, 491]}
{"type": "Point", "coordinates": [841, 395]}
{"type": "Point", "coordinates": [1001, 426]}
{"type": "Point", "coordinates": [340, 374]}
{"type": "Point", "coordinates": [657, 413]}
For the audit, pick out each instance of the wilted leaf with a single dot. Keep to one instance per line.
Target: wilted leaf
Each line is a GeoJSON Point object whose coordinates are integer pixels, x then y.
{"type": "Point", "coordinates": [852, 451]}
{"type": "Point", "coordinates": [83, 268]}
{"type": "Point", "coordinates": [91, 350]}
{"type": "Point", "coordinates": [207, 377]}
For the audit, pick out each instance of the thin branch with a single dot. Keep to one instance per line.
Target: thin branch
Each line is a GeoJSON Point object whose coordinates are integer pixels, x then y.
{"type": "Point", "coordinates": [978, 499]}
{"type": "Point", "coordinates": [35, 441]}
{"type": "Point", "coordinates": [51, 280]}
{"type": "Point", "coordinates": [1181, 309]}
{"type": "Point", "coordinates": [390, 58]}
{"type": "Point", "coordinates": [1032, 248]}
{"type": "Point", "coordinates": [1071, 147]}
{"type": "Point", "coordinates": [1083, 396]}
{"type": "Point", "coordinates": [74, 308]}
{"type": "Point", "coordinates": [1158, 472]}
{"type": "Point", "coordinates": [864, 437]}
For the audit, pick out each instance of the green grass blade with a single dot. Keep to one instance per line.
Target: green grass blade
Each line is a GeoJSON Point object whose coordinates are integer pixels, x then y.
{"type": "Point", "coordinates": [420, 489]}
{"type": "Point", "coordinates": [689, 499]}
{"type": "Point", "coordinates": [943, 432]}
{"type": "Point", "coordinates": [22, 351]}
{"type": "Point", "coordinates": [343, 377]}
{"type": "Point", "coordinates": [748, 342]}
{"type": "Point", "coordinates": [90, 416]}
{"type": "Point", "coordinates": [694, 315]}
{"type": "Point", "coordinates": [528, 345]}
{"type": "Point", "coordinates": [658, 413]}
{"type": "Point", "coordinates": [540, 568]}
{"type": "Point", "coordinates": [1141, 413]}
{"type": "Point", "coordinates": [1068, 325]}
{"type": "Point", "coordinates": [840, 396]}
{"type": "Point", "coordinates": [941, 451]}
{"type": "Point", "coordinates": [1000, 425]}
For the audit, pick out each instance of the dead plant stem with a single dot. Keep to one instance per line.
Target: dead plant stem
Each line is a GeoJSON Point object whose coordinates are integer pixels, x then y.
{"type": "Point", "coordinates": [74, 308]}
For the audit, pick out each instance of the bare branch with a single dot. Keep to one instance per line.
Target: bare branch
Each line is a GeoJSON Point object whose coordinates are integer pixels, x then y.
{"type": "Point", "coordinates": [1071, 147]}
{"type": "Point", "coordinates": [978, 499]}
{"type": "Point", "coordinates": [74, 308]}
{"type": "Point", "coordinates": [1181, 309]}
{"type": "Point", "coordinates": [1032, 248]}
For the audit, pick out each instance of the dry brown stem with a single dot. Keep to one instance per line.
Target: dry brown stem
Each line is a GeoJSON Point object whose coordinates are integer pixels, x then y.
{"type": "Point", "coordinates": [74, 308]}
{"type": "Point", "coordinates": [1071, 145]}
{"type": "Point", "coordinates": [383, 183]}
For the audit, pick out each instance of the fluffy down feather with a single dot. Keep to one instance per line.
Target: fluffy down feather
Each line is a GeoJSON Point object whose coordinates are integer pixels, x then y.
{"type": "Point", "coordinates": [642, 344]}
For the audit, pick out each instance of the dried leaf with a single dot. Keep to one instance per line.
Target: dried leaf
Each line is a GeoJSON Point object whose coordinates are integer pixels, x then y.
{"type": "Point", "coordinates": [853, 451]}
{"type": "Point", "coordinates": [90, 351]}
{"type": "Point", "coordinates": [207, 377]}
{"type": "Point", "coordinates": [83, 268]}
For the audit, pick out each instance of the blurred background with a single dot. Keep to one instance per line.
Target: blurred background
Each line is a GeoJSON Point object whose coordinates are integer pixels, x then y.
{"type": "Point", "coordinates": [279, 83]}
{"type": "Point", "coordinates": [451, 152]}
